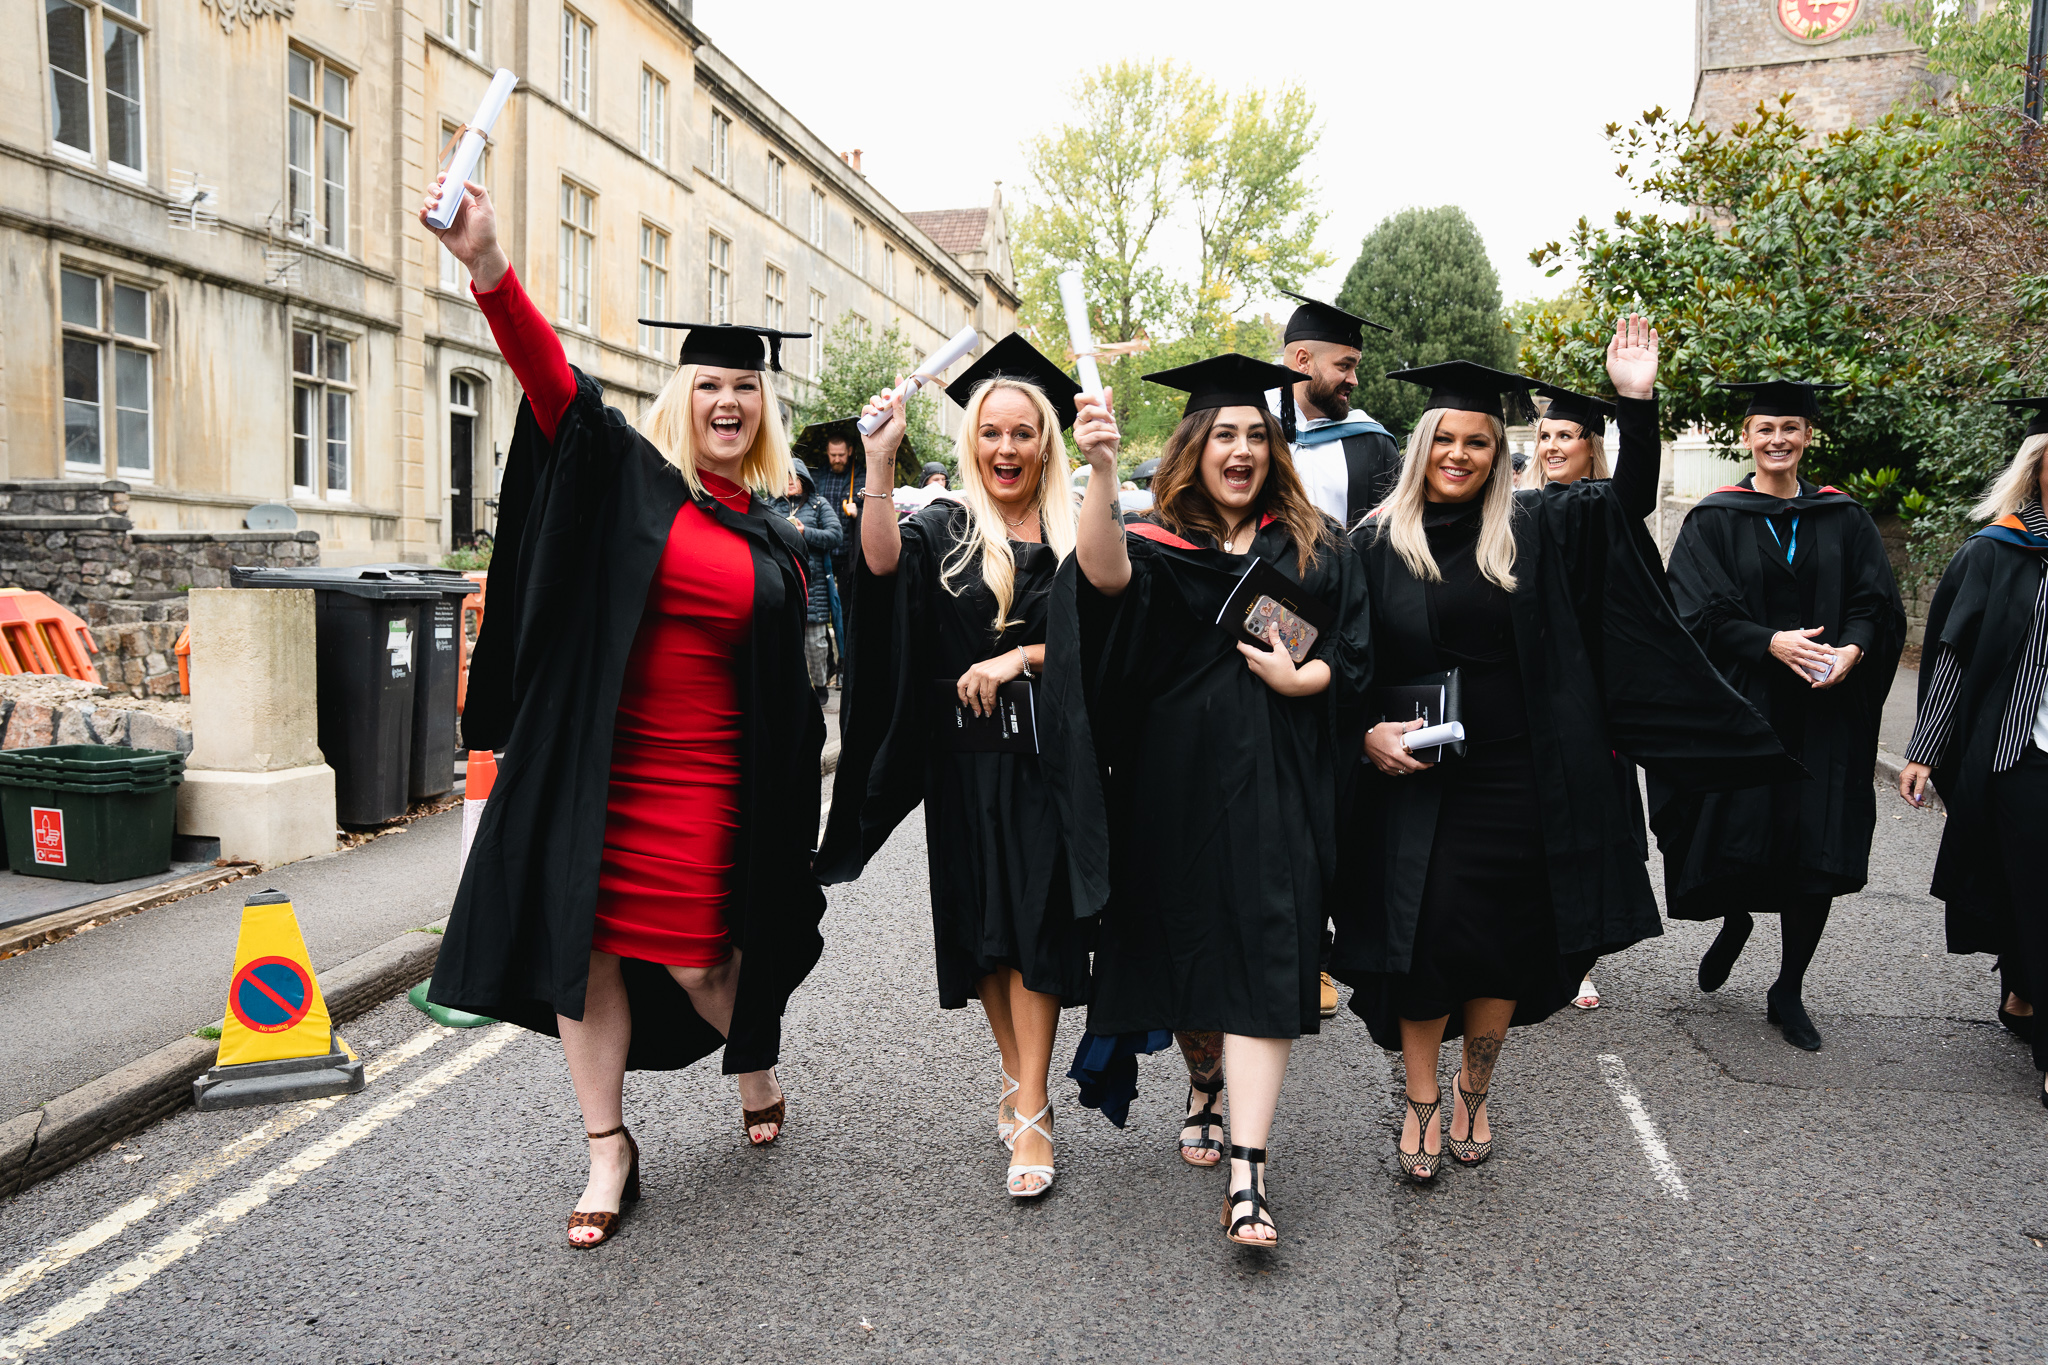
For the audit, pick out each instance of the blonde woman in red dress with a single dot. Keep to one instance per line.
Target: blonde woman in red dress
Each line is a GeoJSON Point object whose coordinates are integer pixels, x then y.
{"type": "Point", "coordinates": [640, 884]}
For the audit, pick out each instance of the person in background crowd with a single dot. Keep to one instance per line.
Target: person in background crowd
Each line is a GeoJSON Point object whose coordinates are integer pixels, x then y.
{"type": "Point", "coordinates": [1202, 774]}
{"type": "Point", "coordinates": [1982, 735]}
{"type": "Point", "coordinates": [817, 522]}
{"type": "Point", "coordinates": [933, 475]}
{"type": "Point", "coordinates": [1788, 588]}
{"type": "Point", "coordinates": [952, 608]}
{"type": "Point", "coordinates": [827, 447]}
{"type": "Point", "coordinates": [640, 884]}
{"type": "Point", "coordinates": [1347, 461]}
{"type": "Point", "coordinates": [1136, 494]}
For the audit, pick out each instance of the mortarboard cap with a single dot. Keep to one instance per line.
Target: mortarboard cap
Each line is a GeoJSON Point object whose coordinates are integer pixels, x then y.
{"type": "Point", "coordinates": [1566, 406]}
{"type": "Point", "coordinates": [1232, 381]}
{"type": "Point", "coordinates": [1319, 321]}
{"type": "Point", "coordinates": [2038, 406]}
{"type": "Point", "coordinates": [1015, 358]}
{"type": "Point", "coordinates": [1782, 397]}
{"type": "Point", "coordinates": [1465, 386]}
{"type": "Point", "coordinates": [733, 347]}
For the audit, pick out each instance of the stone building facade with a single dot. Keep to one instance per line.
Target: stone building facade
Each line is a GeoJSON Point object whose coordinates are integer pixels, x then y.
{"type": "Point", "coordinates": [1842, 62]}
{"type": "Point", "coordinates": [220, 296]}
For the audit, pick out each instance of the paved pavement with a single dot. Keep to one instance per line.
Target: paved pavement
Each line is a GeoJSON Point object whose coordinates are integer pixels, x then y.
{"type": "Point", "coordinates": [73, 1010]}
{"type": "Point", "coordinates": [1884, 1199]}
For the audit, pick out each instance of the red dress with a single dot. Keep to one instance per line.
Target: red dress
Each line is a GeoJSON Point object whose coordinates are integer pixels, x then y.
{"type": "Point", "coordinates": [672, 813]}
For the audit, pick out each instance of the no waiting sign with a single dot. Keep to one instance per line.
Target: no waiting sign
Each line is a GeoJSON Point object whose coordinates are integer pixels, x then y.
{"type": "Point", "coordinates": [270, 994]}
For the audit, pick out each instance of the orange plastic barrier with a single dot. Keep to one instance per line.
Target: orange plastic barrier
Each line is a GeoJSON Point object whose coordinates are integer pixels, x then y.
{"type": "Point", "coordinates": [472, 612]}
{"type": "Point", "coordinates": [184, 653]}
{"type": "Point", "coordinates": [38, 636]}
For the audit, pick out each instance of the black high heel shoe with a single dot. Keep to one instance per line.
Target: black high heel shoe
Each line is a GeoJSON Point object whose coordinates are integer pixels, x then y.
{"type": "Point", "coordinates": [608, 1223]}
{"type": "Point", "coordinates": [1788, 1012]}
{"type": "Point", "coordinates": [1420, 1166]}
{"type": "Point", "coordinates": [1262, 1212]}
{"type": "Point", "coordinates": [1720, 956]}
{"type": "Point", "coordinates": [1468, 1152]}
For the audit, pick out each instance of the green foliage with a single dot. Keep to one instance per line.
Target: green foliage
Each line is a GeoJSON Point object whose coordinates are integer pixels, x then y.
{"type": "Point", "coordinates": [468, 560]}
{"type": "Point", "coordinates": [1979, 48]}
{"type": "Point", "coordinates": [1424, 273]}
{"type": "Point", "coordinates": [1762, 269]}
{"type": "Point", "coordinates": [1155, 155]}
{"type": "Point", "coordinates": [860, 363]}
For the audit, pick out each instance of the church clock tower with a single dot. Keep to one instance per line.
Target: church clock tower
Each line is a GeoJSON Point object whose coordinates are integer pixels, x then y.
{"type": "Point", "coordinates": [1842, 62]}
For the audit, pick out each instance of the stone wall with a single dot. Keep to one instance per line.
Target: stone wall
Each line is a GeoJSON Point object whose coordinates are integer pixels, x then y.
{"type": "Point", "coordinates": [138, 644]}
{"type": "Point", "coordinates": [37, 709]}
{"type": "Point", "coordinates": [72, 539]}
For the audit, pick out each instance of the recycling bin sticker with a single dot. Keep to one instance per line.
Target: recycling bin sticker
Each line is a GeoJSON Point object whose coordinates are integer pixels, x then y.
{"type": "Point", "coordinates": [399, 641]}
{"type": "Point", "coordinates": [46, 829]}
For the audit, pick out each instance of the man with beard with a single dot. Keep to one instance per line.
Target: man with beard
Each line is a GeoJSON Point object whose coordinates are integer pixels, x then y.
{"type": "Point", "coordinates": [1347, 461]}
{"type": "Point", "coordinates": [840, 480]}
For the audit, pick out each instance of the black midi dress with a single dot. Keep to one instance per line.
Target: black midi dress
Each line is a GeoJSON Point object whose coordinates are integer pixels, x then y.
{"type": "Point", "coordinates": [1745, 566]}
{"type": "Point", "coordinates": [1000, 881]}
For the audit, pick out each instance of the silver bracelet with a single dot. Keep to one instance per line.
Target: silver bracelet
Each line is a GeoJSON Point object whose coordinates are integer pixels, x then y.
{"type": "Point", "coordinates": [867, 494]}
{"type": "Point", "coordinates": [1027, 660]}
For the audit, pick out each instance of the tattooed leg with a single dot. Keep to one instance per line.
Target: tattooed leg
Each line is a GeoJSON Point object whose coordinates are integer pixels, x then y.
{"type": "Point", "coordinates": [1203, 1053]}
{"type": "Point", "coordinates": [1486, 1030]}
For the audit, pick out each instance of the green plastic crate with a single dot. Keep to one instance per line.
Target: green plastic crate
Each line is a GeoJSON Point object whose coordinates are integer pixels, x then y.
{"type": "Point", "coordinates": [89, 812]}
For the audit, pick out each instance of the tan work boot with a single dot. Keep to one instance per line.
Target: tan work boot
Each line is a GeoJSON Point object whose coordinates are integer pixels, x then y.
{"type": "Point", "coordinates": [1329, 997]}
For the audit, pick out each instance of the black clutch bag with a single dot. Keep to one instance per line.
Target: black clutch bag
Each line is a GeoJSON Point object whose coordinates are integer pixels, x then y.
{"type": "Point", "coordinates": [1435, 698]}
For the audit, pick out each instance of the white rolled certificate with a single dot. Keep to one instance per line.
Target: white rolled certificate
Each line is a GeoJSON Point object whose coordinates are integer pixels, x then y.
{"type": "Point", "coordinates": [1078, 335]}
{"type": "Point", "coordinates": [937, 363]}
{"type": "Point", "coordinates": [470, 150]}
{"type": "Point", "coordinates": [1450, 732]}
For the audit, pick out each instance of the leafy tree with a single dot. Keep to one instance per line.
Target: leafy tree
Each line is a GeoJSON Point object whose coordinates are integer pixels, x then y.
{"type": "Point", "coordinates": [1156, 155]}
{"type": "Point", "coordinates": [1975, 50]}
{"type": "Point", "coordinates": [1424, 273]}
{"type": "Point", "coordinates": [1761, 270]}
{"type": "Point", "coordinates": [861, 362]}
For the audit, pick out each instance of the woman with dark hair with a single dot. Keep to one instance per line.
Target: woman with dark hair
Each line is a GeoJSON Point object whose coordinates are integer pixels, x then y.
{"type": "Point", "coordinates": [1213, 760]}
{"type": "Point", "coordinates": [641, 882]}
{"type": "Point", "coordinates": [1788, 588]}
{"type": "Point", "coordinates": [950, 612]}
{"type": "Point", "coordinates": [1982, 734]}
{"type": "Point", "coordinates": [1487, 870]}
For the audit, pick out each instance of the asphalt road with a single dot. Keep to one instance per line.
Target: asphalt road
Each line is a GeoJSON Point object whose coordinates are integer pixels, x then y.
{"type": "Point", "coordinates": [1871, 1202]}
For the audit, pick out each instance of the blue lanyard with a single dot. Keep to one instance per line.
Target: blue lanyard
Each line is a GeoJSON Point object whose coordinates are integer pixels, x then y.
{"type": "Point", "coordinates": [1791, 549]}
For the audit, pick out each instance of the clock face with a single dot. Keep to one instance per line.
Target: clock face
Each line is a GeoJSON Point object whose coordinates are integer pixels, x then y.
{"type": "Point", "coordinates": [1816, 21]}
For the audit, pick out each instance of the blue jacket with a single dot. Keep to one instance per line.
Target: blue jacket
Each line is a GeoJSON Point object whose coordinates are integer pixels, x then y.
{"type": "Point", "coordinates": [818, 522]}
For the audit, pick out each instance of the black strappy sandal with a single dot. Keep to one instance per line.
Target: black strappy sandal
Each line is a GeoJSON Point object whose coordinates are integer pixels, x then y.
{"type": "Point", "coordinates": [1202, 1120]}
{"type": "Point", "coordinates": [608, 1223]}
{"type": "Point", "coordinates": [1468, 1152]}
{"type": "Point", "coordinates": [1420, 1166]}
{"type": "Point", "coordinates": [1262, 1212]}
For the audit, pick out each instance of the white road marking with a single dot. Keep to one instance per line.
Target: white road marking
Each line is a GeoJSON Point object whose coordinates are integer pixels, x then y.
{"type": "Point", "coordinates": [198, 1173]}
{"type": "Point", "coordinates": [39, 1331]}
{"type": "Point", "coordinates": [1615, 1072]}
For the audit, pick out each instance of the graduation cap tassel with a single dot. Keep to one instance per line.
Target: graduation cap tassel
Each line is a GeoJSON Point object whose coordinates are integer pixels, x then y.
{"type": "Point", "coordinates": [1287, 412]}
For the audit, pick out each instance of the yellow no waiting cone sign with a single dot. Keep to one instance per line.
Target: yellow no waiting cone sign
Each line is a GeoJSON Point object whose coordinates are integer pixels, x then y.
{"type": "Point", "coordinates": [277, 1041]}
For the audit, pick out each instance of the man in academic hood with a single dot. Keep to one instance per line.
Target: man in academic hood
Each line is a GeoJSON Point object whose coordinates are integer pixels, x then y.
{"type": "Point", "coordinates": [1347, 461]}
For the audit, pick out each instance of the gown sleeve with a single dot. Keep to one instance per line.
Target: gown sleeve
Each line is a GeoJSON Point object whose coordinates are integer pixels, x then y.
{"type": "Point", "coordinates": [1710, 601]}
{"type": "Point", "coordinates": [1639, 464]}
{"type": "Point", "coordinates": [531, 347]}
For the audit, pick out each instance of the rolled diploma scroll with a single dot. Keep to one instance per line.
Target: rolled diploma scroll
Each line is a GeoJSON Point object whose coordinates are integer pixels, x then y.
{"type": "Point", "coordinates": [1450, 732]}
{"type": "Point", "coordinates": [470, 150]}
{"type": "Point", "coordinates": [1076, 305]}
{"type": "Point", "coordinates": [935, 364]}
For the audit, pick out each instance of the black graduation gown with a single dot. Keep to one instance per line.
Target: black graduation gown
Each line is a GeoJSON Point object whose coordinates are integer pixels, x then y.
{"type": "Point", "coordinates": [1734, 590]}
{"type": "Point", "coordinates": [582, 523]}
{"type": "Point", "coordinates": [1372, 463]}
{"type": "Point", "coordinates": [1983, 611]}
{"type": "Point", "coordinates": [999, 880]}
{"type": "Point", "coordinates": [1605, 667]}
{"type": "Point", "coordinates": [1200, 806]}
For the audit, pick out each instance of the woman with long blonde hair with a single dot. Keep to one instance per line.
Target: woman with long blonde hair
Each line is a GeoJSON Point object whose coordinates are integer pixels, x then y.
{"type": "Point", "coordinates": [641, 881]}
{"type": "Point", "coordinates": [949, 612]}
{"type": "Point", "coordinates": [1982, 734]}
{"type": "Point", "coordinates": [1488, 868]}
{"type": "Point", "coordinates": [1203, 759]}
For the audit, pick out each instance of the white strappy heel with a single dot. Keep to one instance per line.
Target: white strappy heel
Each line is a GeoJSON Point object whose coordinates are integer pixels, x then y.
{"type": "Point", "coordinates": [1017, 1173]}
{"type": "Point", "coordinates": [1003, 1130]}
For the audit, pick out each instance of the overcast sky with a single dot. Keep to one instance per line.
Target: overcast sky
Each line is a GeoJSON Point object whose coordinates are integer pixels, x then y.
{"type": "Point", "coordinates": [1494, 105]}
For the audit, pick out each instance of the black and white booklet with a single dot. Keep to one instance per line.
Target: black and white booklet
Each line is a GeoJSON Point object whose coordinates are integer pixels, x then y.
{"type": "Point", "coordinates": [1433, 699]}
{"type": "Point", "coordinates": [1010, 728]}
{"type": "Point", "coordinates": [1265, 596]}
